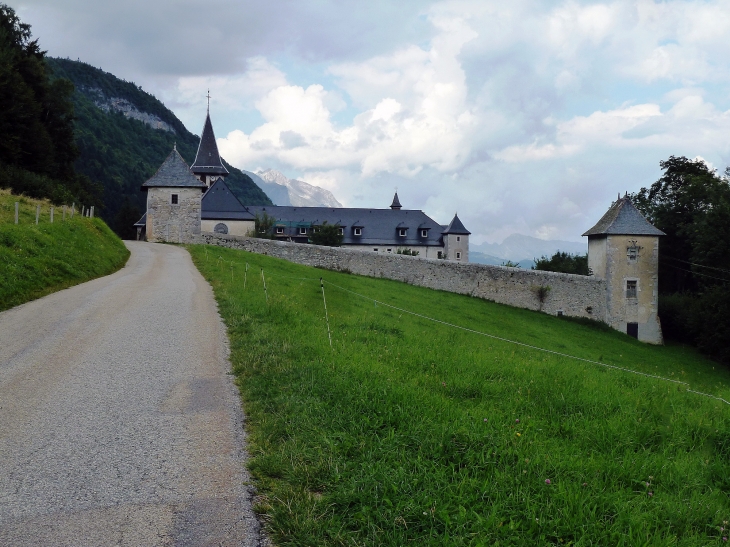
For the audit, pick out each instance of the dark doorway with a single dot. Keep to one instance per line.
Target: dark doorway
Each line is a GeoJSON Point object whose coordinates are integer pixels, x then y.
{"type": "Point", "coordinates": [632, 329]}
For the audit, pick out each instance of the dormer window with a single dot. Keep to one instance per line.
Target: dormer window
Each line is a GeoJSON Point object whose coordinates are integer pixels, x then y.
{"type": "Point", "coordinates": [279, 230]}
{"type": "Point", "coordinates": [341, 231]}
{"type": "Point", "coordinates": [302, 231]}
{"type": "Point", "coordinates": [174, 199]}
{"type": "Point", "coordinates": [424, 233]}
{"type": "Point", "coordinates": [402, 232]}
{"type": "Point", "coordinates": [357, 231]}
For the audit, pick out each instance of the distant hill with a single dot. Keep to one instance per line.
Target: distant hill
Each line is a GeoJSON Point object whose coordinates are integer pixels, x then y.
{"type": "Point", "coordinates": [522, 249]}
{"type": "Point", "coordinates": [123, 134]}
{"type": "Point", "coordinates": [286, 191]}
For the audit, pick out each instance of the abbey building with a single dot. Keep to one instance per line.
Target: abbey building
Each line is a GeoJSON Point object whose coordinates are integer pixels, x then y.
{"type": "Point", "coordinates": [183, 202]}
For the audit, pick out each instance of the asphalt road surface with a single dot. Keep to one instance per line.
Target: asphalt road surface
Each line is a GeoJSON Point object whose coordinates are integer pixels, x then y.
{"type": "Point", "coordinates": [119, 422]}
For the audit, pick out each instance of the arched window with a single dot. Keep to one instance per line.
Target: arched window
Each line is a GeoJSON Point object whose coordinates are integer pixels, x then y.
{"type": "Point", "coordinates": [220, 228]}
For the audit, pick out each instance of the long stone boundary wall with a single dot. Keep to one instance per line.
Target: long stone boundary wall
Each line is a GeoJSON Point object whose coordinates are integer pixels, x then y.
{"type": "Point", "coordinates": [574, 295]}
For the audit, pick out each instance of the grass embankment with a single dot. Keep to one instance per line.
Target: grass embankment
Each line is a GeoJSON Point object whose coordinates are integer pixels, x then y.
{"type": "Point", "coordinates": [36, 260]}
{"type": "Point", "coordinates": [414, 432]}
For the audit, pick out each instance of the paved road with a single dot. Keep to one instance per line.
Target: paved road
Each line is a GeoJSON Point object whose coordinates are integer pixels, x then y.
{"type": "Point", "coordinates": [118, 422]}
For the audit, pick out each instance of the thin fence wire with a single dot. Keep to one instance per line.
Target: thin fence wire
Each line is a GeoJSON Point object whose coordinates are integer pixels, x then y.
{"type": "Point", "coordinates": [522, 344]}
{"type": "Point", "coordinates": [326, 315]}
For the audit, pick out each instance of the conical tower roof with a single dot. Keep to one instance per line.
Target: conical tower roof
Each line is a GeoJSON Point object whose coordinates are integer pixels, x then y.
{"type": "Point", "coordinates": [173, 172]}
{"type": "Point", "coordinates": [396, 202]}
{"type": "Point", "coordinates": [625, 219]}
{"type": "Point", "coordinates": [456, 227]}
{"type": "Point", "coordinates": [208, 160]}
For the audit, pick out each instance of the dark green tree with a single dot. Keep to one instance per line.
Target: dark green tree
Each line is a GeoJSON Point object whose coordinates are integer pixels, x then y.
{"type": "Point", "coordinates": [326, 234]}
{"type": "Point", "coordinates": [264, 225]}
{"type": "Point", "coordinates": [124, 220]}
{"type": "Point", "coordinates": [691, 204]}
{"type": "Point", "coordinates": [36, 120]}
{"type": "Point", "coordinates": [563, 262]}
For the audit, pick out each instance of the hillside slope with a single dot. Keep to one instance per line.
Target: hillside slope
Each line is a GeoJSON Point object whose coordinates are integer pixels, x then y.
{"type": "Point", "coordinates": [124, 134]}
{"type": "Point", "coordinates": [406, 430]}
{"type": "Point", "coordinates": [38, 259]}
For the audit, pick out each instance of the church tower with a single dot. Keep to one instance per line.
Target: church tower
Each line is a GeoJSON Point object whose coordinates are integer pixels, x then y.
{"type": "Point", "coordinates": [623, 249]}
{"type": "Point", "coordinates": [208, 166]}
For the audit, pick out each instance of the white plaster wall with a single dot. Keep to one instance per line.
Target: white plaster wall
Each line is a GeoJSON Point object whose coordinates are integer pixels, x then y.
{"type": "Point", "coordinates": [235, 227]}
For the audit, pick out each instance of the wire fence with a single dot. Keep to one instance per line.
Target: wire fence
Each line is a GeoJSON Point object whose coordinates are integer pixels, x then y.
{"type": "Point", "coordinates": [377, 302]}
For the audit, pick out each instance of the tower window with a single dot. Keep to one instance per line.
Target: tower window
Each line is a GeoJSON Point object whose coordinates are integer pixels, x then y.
{"type": "Point", "coordinates": [173, 199]}
{"type": "Point", "coordinates": [631, 288]}
{"type": "Point", "coordinates": [632, 253]}
{"type": "Point", "coordinates": [458, 256]}
{"type": "Point", "coordinates": [458, 238]}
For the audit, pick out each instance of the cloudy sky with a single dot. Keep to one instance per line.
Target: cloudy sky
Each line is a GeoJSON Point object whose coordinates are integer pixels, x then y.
{"type": "Point", "coordinates": [526, 116]}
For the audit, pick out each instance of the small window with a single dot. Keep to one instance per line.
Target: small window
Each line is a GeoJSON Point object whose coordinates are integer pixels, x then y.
{"type": "Point", "coordinates": [357, 231]}
{"type": "Point", "coordinates": [375, 249]}
{"type": "Point", "coordinates": [424, 233]}
{"type": "Point", "coordinates": [458, 238]}
{"type": "Point", "coordinates": [458, 256]}
{"type": "Point", "coordinates": [173, 199]}
{"type": "Point", "coordinates": [631, 288]}
{"type": "Point", "coordinates": [632, 253]}
{"type": "Point", "coordinates": [303, 231]}
{"type": "Point", "coordinates": [279, 230]}
{"type": "Point", "coordinates": [341, 231]}
{"type": "Point", "coordinates": [560, 313]}
{"type": "Point", "coordinates": [402, 232]}
{"type": "Point", "coordinates": [220, 228]}
{"type": "Point", "coordinates": [440, 255]}
{"type": "Point", "coordinates": [390, 250]}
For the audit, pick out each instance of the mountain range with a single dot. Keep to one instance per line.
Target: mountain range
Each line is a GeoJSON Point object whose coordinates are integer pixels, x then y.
{"type": "Point", "coordinates": [285, 191]}
{"type": "Point", "coordinates": [522, 250]}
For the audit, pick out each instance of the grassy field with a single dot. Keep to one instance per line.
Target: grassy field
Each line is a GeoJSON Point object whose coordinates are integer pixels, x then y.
{"type": "Point", "coordinates": [409, 431]}
{"type": "Point", "coordinates": [36, 260]}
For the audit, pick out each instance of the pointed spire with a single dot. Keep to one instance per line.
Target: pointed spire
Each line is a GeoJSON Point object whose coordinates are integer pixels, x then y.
{"type": "Point", "coordinates": [208, 160]}
{"type": "Point", "coordinates": [456, 227]}
{"type": "Point", "coordinates": [396, 202]}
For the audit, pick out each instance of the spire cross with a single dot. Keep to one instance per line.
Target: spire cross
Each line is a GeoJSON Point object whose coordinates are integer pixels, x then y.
{"type": "Point", "coordinates": [208, 95]}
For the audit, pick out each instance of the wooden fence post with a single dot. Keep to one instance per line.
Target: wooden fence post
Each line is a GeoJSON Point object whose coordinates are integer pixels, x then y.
{"type": "Point", "coordinates": [91, 212]}
{"type": "Point", "coordinates": [73, 208]}
{"type": "Point", "coordinates": [16, 212]}
{"type": "Point", "coordinates": [51, 215]}
{"type": "Point", "coordinates": [37, 213]}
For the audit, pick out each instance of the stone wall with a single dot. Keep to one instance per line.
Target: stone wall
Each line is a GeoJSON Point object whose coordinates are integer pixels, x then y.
{"type": "Point", "coordinates": [574, 295]}
{"type": "Point", "coordinates": [176, 223]}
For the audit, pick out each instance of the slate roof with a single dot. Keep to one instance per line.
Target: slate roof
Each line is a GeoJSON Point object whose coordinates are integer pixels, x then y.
{"type": "Point", "coordinates": [219, 203]}
{"type": "Point", "coordinates": [456, 227]}
{"type": "Point", "coordinates": [379, 226]}
{"type": "Point", "coordinates": [396, 202]}
{"type": "Point", "coordinates": [174, 173]}
{"type": "Point", "coordinates": [208, 160]}
{"type": "Point", "coordinates": [625, 219]}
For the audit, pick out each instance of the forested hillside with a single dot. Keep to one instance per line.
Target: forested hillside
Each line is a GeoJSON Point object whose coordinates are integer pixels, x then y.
{"type": "Point", "coordinates": [37, 150]}
{"type": "Point", "coordinates": [123, 134]}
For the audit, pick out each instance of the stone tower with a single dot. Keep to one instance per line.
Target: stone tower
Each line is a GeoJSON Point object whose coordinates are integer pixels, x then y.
{"type": "Point", "coordinates": [456, 241]}
{"type": "Point", "coordinates": [173, 201]}
{"type": "Point", "coordinates": [208, 166]}
{"type": "Point", "coordinates": [623, 249]}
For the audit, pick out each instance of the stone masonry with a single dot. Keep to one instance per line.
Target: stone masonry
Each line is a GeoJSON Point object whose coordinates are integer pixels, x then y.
{"type": "Point", "coordinates": [572, 295]}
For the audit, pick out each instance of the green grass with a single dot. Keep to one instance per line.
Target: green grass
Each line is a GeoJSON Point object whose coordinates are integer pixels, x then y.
{"type": "Point", "coordinates": [36, 260]}
{"type": "Point", "coordinates": [407, 431]}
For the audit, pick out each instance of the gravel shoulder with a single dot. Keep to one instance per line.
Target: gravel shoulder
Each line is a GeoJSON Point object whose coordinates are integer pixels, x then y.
{"type": "Point", "coordinates": [120, 423]}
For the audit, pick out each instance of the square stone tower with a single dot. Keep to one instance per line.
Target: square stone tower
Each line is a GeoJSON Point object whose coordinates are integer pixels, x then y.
{"type": "Point", "coordinates": [623, 249]}
{"type": "Point", "coordinates": [173, 201]}
{"type": "Point", "coordinates": [456, 241]}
